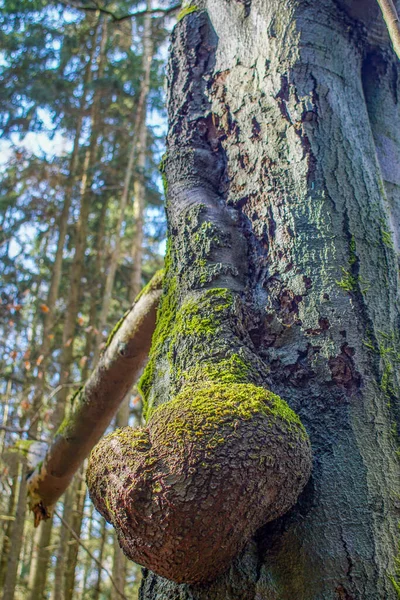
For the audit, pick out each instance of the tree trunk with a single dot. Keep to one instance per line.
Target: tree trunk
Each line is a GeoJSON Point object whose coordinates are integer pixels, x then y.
{"type": "Point", "coordinates": [287, 120]}
{"type": "Point", "coordinates": [73, 547]}
{"type": "Point", "coordinates": [16, 537]}
{"type": "Point", "coordinates": [49, 317]}
{"type": "Point", "coordinates": [76, 271]}
{"type": "Point", "coordinates": [140, 150]}
{"type": "Point", "coordinates": [97, 586]}
{"type": "Point", "coordinates": [41, 555]}
{"type": "Point", "coordinates": [119, 559]}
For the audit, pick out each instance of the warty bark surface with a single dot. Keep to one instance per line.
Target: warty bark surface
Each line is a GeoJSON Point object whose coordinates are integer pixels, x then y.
{"type": "Point", "coordinates": [312, 157]}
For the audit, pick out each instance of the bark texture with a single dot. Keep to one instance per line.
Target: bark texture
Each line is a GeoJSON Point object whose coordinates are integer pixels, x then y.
{"type": "Point", "coordinates": [220, 455]}
{"type": "Point", "coordinates": [309, 151]}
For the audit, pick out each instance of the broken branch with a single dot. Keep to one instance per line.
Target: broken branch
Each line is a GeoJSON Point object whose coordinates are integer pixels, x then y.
{"type": "Point", "coordinates": [97, 402]}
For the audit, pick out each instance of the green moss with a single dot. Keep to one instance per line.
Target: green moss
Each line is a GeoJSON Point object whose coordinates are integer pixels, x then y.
{"type": "Point", "coordinates": [116, 327]}
{"type": "Point", "coordinates": [228, 370]}
{"type": "Point", "coordinates": [351, 281]}
{"type": "Point", "coordinates": [186, 11]}
{"type": "Point", "coordinates": [63, 426]}
{"type": "Point", "coordinates": [161, 168]}
{"type": "Point", "coordinates": [348, 283]}
{"type": "Point", "coordinates": [199, 316]}
{"type": "Point", "coordinates": [386, 234]}
{"type": "Point", "coordinates": [164, 326]}
{"type": "Point", "coordinates": [204, 410]}
{"type": "Point", "coordinates": [155, 283]}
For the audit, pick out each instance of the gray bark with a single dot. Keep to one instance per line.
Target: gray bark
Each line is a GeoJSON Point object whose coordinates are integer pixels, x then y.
{"type": "Point", "coordinates": [302, 103]}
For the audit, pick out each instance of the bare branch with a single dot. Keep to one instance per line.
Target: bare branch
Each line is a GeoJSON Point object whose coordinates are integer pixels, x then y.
{"type": "Point", "coordinates": [86, 549]}
{"type": "Point", "coordinates": [97, 402]}
{"type": "Point", "coordinates": [116, 18]}
{"type": "Point", "coordinates": [391, 18]}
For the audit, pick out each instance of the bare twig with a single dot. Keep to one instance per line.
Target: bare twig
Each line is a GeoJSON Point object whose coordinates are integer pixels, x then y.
{"type": "Point", "coordinates": [116, 18]}
{"type": "Point", "coordinates": [86, 549]}
{"type": "Point", "coordinates": [391, 18]}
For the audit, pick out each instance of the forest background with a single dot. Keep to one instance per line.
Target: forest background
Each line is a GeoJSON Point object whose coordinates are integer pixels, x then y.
{"type": "Point", "coordinates": [82, 229]}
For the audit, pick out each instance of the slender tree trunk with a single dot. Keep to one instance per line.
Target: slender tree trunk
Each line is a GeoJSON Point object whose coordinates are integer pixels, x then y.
{"type": "Point", "coordinates": [41, 555]}
{"type": "Point", "coordinates": [16, 537]}
{"type": "Point", "coordinates": [97, 586]}
{"type": "Point", "coordinates": [295, 135]}
{"type": "Point", "coordinates": [73, 547]}
{"type": "Point", "coordinates": [38, 572]}
{"type": "Point", "coordinates": [49, 317]}
{"type": "Point", "coordinates": [138, 153]}
{"type": "Point", "coordinates": [141, 141]}
{"type": "Point", "coordinates": [81, 235]}
{"type": "Point", "coordinates": [119, 559]}
{"type": "Point", "coordinates": [8, 527]}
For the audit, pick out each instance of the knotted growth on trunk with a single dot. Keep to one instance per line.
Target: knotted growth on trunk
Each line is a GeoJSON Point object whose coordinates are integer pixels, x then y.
{"type": "Point", "coordinates": [220, 454]}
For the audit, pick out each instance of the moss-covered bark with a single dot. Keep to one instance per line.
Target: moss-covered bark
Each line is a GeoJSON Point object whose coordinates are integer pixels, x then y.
{"type": "Point", "coordinates": [288, 140]}
{"type": "Point", "coordinates": [220, 455]}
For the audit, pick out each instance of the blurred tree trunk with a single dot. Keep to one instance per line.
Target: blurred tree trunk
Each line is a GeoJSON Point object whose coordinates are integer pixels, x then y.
{"type": "Point", "coordinates": [286, 122]}
{"type": "Point", "coordinates": [119, 559]}
{"type": "Point", "coordinates": [137, 154]}
{"type": "Point", "coordinates": [76, 270]}
{"type": "Point", "coordinates": [73, 546]}
{"type": "Point", "coordinates": [140, 150]}
{"type": "Point", "coordinates": [16, 536]}
{"type": "Point", "coordinates": [8, 525]}
{"type": "Point", "coordinates": [97, 587]}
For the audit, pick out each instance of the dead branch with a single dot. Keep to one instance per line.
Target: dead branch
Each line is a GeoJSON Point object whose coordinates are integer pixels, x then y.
{"type": "Point", "coordinates": [96, 7]}
{"type": "Point", "coordinates": [96, 403]}
{"type": "Point", "coordinates": [391, 18]}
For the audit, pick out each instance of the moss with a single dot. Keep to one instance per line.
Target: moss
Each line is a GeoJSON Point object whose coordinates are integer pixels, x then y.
{"type": "Point", "coordinates": [161, 168]}
{"type": "Point", "coordinates": [205, 410]}
{"type": "Point", "coordinates": [155, 283]}
{"type": "Point", "coordinates": [199, 317]}
{"type": "Point", "coordinates": [165, 323]}
{"type": "Point", "coordinates": [63, 426]}
{"type": "Point", "coordinates": [116, 327]}
{"type": "Point", "coordinates": [348, 283]}
{"type": "Point", "coordinates": [186, 11]}
{"type": "Point", "coordinates": [351, 281]}
{"type": "Point", "coordinates": [386, 234]}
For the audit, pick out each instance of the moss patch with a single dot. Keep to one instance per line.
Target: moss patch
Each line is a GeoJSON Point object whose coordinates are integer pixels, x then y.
{"type": "Point", "coordinates": [186, 11]}
{"type": "Point", "coordinates": [205, 410]}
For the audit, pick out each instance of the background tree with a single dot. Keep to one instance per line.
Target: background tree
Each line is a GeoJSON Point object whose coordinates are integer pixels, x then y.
{"type": "Point", "coordinates": [72, 81]}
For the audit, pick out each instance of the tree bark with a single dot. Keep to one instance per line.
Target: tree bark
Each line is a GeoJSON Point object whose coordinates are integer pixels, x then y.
{"type": "Point", "coordinates": [310, 152]}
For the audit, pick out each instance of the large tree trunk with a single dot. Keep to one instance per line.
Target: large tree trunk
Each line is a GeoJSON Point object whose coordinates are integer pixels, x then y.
{"type": "Point", "coordinates": [298, 103]}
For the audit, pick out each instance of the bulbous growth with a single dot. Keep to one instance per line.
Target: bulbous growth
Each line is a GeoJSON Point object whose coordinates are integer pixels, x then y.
{"type": "Point", "coordinates": [187, 491]}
